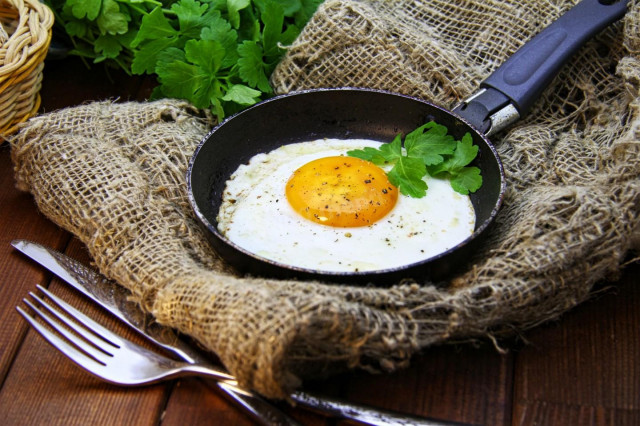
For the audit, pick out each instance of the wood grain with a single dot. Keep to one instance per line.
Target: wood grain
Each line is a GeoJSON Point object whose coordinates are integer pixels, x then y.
{"type": "Point", "coordinates": [585, 367]}
{"type": "Point", "coordinates": [18, 219]}
{"type": "Point", "coordinates": [465, 384]}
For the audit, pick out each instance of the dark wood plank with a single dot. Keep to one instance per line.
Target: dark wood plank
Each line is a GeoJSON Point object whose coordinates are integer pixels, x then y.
{"type": "Point", "coordinates": [46, 388]}
{"type": "Point", "coordinates": [463, 383]}
{"type": "Point", "coordinates": [19, 219]}
{"type": "Point", "coordinates": [584, 369]}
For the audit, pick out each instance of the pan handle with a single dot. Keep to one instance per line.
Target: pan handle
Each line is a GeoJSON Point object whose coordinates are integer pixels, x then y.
{"type": "Point", "coordinates": [512, 89]}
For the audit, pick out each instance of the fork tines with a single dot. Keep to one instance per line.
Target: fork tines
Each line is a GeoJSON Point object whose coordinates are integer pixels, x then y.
{"type": "Point", "coordinates": [83, 334]}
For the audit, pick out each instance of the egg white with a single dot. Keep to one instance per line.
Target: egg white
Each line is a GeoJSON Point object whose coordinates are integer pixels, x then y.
{"type": "Point", "coordinates": [256, 216]}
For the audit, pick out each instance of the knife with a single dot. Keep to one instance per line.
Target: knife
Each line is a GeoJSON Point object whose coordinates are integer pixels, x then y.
{"type": "Point", "coordinates": [116, 300]}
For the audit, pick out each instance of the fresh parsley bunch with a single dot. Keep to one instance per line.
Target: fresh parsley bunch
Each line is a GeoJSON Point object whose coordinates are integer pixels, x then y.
{"type": "Point", "coordinates": [217, 54]}
{"type": "Point", "coordinates": [429, 149]}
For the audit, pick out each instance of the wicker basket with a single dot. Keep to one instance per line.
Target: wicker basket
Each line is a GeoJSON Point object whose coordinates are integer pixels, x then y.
{"type": "Point", "coordinates": [25, 34]}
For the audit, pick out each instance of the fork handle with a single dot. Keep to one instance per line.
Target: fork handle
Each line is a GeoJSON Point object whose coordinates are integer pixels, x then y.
{"type": "Point", "coordinates": [259, 408]}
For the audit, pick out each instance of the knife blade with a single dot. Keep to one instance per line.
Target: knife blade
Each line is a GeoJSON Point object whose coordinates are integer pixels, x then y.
{"type": "Point", "coordinates": [116, 299]}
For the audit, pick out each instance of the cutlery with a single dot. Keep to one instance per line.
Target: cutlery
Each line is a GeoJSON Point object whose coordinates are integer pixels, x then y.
{"type": "Point", "coordinates": [102, 352]}
{"type": "Point", "coordinates": [255, 406]}
{"type": "Point", "coordinates": [116, 359]}
{"type": "Point", "coordinates": [115, 299]}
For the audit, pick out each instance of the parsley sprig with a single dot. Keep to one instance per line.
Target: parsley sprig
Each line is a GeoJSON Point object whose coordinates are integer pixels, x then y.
{"type": "Point", "coordinates": [429, 149]}
{"type": "Point", "coordinates": [217, 54]}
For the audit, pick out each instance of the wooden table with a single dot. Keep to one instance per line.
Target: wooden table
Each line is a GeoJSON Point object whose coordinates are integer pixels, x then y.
{"type": "Point", "coordinates": [583, 368]}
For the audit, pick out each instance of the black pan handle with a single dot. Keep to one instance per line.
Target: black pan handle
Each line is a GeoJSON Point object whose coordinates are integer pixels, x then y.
{"type": "Point", "coordinates": [517, 83]}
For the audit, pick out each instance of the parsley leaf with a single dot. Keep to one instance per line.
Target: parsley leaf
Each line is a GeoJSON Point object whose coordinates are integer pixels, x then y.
{"type": "Point", "coordinates": [234, 8]}
{"type": "Point", "coordinates": [407, 175]}
{"type": "Point", "coordinates": [464, 154]}
{"type": "Point", "coordinates": [273, 19]}
{"type": "Point", "coordinates": [219, 29]}
{"type": "Point", "coordinates": [109, 46]}
{"type": "Point", "coordinates": [466, 180]}
{"type": "Point", "coordinates": [85, 8]}
{"type": "Point", "coordinates": [154, 25]}
{"type": "Point", "coordinates": [111, 19]}
{"type": "Point", "coordinates": [463, 179]}
{"type": "Point", "coordinates": [241, 94]}
{"type": "Point", "coordinates": [429, 149]}
{"type": "Point", "coordinates": [146, 59]}
{"type": "Point", "coordinates": [193, 74]}
{"type": "Point", "coordinates": [191, 17]}
{"type": "Point", "coordinates": [429, 142]}
{"type": "Point", "coordinates": [251, 67]}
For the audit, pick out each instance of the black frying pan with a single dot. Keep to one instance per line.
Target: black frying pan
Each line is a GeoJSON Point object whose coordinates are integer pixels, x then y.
{"type": "Point", "coordinates": [350, 113]}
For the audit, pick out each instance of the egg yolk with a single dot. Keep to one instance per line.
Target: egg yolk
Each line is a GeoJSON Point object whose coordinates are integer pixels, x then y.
{"type": "Point", "coordinates": [341, 192]}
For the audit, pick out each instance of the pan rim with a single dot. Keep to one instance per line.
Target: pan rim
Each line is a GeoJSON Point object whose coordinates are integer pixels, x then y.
{"type": "Point", "coordinates": [334, 275]}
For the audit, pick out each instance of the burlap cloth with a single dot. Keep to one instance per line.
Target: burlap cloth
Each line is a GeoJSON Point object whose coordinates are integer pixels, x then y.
{"type": "Point", "coordinates": [114, 175]}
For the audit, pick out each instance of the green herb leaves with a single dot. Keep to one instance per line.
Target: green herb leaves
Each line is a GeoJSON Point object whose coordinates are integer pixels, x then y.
{"type": "Point", "coordinates": [429, 149]}
{"type": "Point", "coordinates": [217, 54]}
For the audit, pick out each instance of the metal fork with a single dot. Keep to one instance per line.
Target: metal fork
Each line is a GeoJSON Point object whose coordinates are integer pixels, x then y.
{"type": "Point", "coordinates": [122, 362]}
{"type": "Point", "coordinates": [103, 353]}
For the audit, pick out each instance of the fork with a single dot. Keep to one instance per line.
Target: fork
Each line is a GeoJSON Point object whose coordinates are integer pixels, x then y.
{"type": "Point", "coordinates": [102, 352]}
{"type": "Point", "coordinates": [119, 361]}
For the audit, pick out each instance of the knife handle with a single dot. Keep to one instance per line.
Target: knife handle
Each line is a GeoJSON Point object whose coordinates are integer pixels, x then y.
{"type": "Point", "coordinates": [362, 414]}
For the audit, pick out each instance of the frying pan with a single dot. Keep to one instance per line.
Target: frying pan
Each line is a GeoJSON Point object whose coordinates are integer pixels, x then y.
{"type": "Point", "coordinates": [352, 113]}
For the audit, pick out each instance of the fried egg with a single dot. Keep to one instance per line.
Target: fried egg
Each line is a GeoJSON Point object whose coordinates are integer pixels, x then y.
{"type": "Point", "coordinates": [309, 205]}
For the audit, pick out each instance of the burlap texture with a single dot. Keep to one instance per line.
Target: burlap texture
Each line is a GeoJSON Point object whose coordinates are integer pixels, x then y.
{"type": "Point", "coordinates": [114, 175]}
